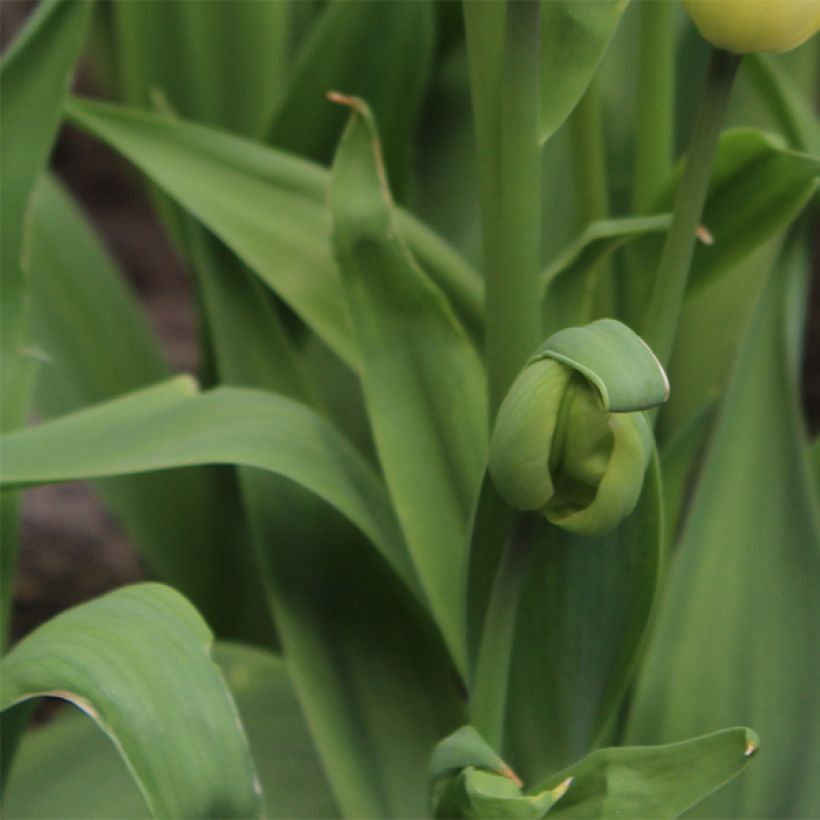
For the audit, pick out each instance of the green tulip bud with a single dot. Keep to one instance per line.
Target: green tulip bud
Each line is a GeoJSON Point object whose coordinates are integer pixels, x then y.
{"type": "Point", "coordinates": [741, 26]}
{"type": "Point", "coordinates": [571, 440]}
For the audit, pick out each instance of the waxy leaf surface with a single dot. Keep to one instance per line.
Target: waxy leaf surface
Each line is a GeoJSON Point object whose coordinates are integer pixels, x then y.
{"type": "Point", "coordinates": [138, 662]}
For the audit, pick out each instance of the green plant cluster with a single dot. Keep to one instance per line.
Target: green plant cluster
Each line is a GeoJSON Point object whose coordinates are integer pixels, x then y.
{"type": "Point", "coordinates": [493, 496]}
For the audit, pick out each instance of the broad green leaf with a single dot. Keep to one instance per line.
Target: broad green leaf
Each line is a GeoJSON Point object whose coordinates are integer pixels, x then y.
{"type": "Point", "coordinates": [97, 345]}
{"type": "Point", "coordinates": [269, 208]}
{"type": "Point", "coordinates": [369, 668]}
{"type": "Point", "coordinates": [137, 661]}
{"type": "Point", "coordinates": [170, 425]}
{"type": "Point", "coordinates": [679, 462]}
{"type": "Point", "coordinates": [34, 77]}
{"type": "Point", "coordinates": [757, 188]}
{"type": "Point", "coordinates": [738, 631]}
{"type": "Point", "coordinates": [653, 781]}
{"type": "Point", "coordinates": [567, 281]}
{"type": "Point", "coordinates": [423, 380]}
{"type": "Point", "coordinates": [218, 62]}
{"type": "Point", "coordinates": [582, 621]}
{"type": "Point", "coordinates": [574, 37]}
{"type": "Point", "coordinates": [355, 667]}
{"type": "Point", "coordinates": [382, 52]}
{"type": "Point", "coordinates": [68, 768]}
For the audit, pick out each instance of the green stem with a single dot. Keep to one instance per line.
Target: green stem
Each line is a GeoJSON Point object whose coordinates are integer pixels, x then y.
{"type": "Point", "coordinates": [670, 284]}
{"type": "Point", "coordinates": [509, 166]}
{"type": "Point", "coordinates": [656, 101]}
{"type": "Point", "coordinates": [589, 169]}
{"type": "Point", "coordinates": [489, 698]}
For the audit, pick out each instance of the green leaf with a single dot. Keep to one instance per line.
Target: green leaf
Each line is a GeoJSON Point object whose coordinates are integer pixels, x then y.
{"type": "Point", "coordinates": [566, 281]}
{"type": "Point", "coordinates": [97, 345]}
{"type": "Point", "coordinates": [468, 779]}
{"type": "Point", "coordinates": [581, 626]}
{"type": "Point", "coordinates": [69, 768]}
{"type": "Point", "coordinates": [380, 52]}
{"type": "Point", "coordinates": [34, 78]}
{"type": "Point", "coordinates": [574, 37]}
{"type": "Point", "coordinates": [137, 661]}
{"type": "Point", "coordinates": [219, 62]}
{"type": "Point", "coordinates": [737, 635]}
{"type": "Point", "coordinates": [790, 109]}
{"type": "Point", "coordinates": [269, 208]}
{"type": "Point", "coordinates": [757, 188]}
{"type": "Point", "coordinates": [653, 781]}
{"type": "Point", "coordinates": [169, 425]}
{"type": "Point", "coordinates": [423, 380]}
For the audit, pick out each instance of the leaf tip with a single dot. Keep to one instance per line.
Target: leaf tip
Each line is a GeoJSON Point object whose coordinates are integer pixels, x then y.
{"type": "Point", "coordinates": [507, 772]}
{"type": "Point", "coordinates": [562, 788]}
{"type": "Point", "coordinates": [344, 99]}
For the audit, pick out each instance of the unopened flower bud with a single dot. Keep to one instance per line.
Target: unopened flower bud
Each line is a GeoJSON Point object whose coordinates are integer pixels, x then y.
{"type": "Point", "coordinates": [559, 447]}
{"type": "Point", "coordinates": [741, 26]}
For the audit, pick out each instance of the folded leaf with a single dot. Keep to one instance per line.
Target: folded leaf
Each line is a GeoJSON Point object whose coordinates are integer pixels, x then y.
{"type": "Point", "coordinates": [269, 208]}
{"type": "Point", "coordinates": [423, 380]}
{"type": "Point", "coordinates": [738, 632]}
{"type": "Point", "coordinates": [69, 768]}
{"type": "Point", "coordinates": [653, 781]}
{"type": "Point", "coordinates": [34, 77]}
{"type": "Point", "coordinates": [566, 281]}
{"type": "Point", "coordinates": [757, 188]}
{"type": "Point", "coordinates": [137, 661]}
{"type": "Point", "coordinates": [169, 425]}
{"type": "Point", "coordinates": [97, 345]}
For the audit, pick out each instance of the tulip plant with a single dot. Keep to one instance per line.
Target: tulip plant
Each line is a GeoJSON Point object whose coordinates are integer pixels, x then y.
{"type": "Point", "coordinates": [493, 496]}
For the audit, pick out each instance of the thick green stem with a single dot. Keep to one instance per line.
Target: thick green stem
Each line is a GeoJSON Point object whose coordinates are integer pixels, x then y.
{"type": "Point", "coordinates": [589, 168]}
{"type": "Point", "coordinates": [670, 283]}
{"type": "Point", "coordinates": [655, 99]}
{"type": "Point", "coordinates": [489, 697]}
{"type": "Point", "coordinates": [509, 165]}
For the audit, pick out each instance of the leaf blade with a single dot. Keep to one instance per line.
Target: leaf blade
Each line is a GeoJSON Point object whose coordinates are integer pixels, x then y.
{"type": "Point", "coordinates": [110, 657]}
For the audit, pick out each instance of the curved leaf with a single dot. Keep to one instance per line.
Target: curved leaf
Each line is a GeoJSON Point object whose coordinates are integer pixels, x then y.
{"type": "Point", "coordinates": [138, 662]}
{"type": "Point", "coordinates": [738, 632]}
{"type": "Point", "coordinates": [269, 208]}
{"type": "Point", "coordinates": [68, 768]}
{"type": "Point", "coordinates": [423, 380]}
{"type": "Point", "coordinates": [574, 37]}
{"type": "Point", "coordinates": [582, 622]}
{"type": "Point", "coordinates": [34, 78]}
{"type": "Point", "coordinates": [97, 345]}
{"type": "Point", "coordinates": [169, 425]}
{"type": "Point", "coordinates": [756, 189]}
{"type": "Point", "coordinates": [566, 280]}
{"type": "Point", "coordinates": [653, 781]}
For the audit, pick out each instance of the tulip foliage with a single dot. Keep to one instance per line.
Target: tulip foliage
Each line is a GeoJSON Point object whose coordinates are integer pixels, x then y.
{"type": "Point", "coordinates": [493, 496]}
